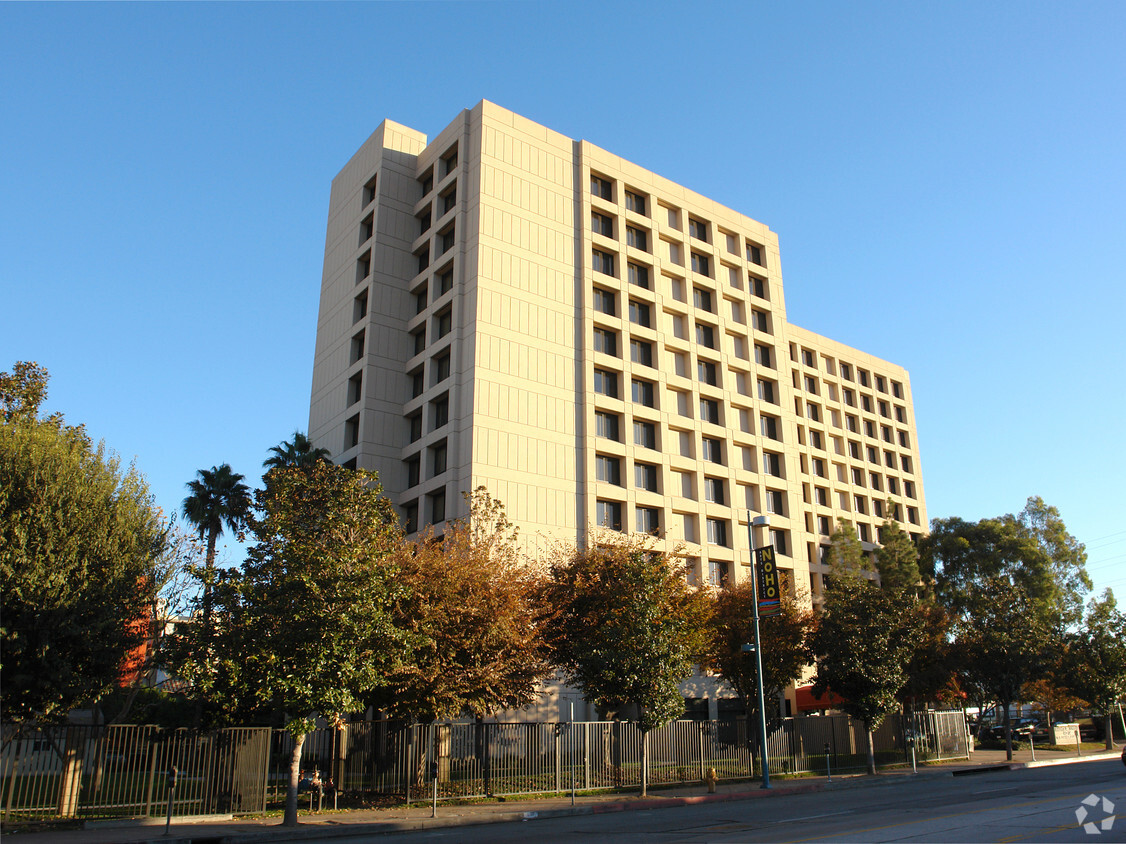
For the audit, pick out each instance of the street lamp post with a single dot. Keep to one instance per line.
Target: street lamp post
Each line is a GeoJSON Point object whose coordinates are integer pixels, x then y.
{"type": "Point", "coordinates": [752, 523]}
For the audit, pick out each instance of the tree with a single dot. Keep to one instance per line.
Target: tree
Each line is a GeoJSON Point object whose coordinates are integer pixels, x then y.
{"type": "Point", "coordinates": [1032, 550]}
{"type": "Point", "coordinates": [861, 646]}
{"type": "Point", "coordinates": [306, 625]}
{"type": "Point", "coordinates": [22, 391]}
{"type": "Point", "coordinates": [218, 497]}
{"type": "Point", "coordinates": [897, 559]}
{"type": "Point", "coordinates": [846, 554]}
{"type": "Point", "coordinates": [78, 537]}
{"type": "Point", "coordinates": [1094, 660]}
{"type": "Point", "coordinates": [626, 629]}
{"type": "Point", "coordinates": [470, 606]}
{"type": "Point", "coordinates": [299, 453]}
{"type": "Point", "coordinates": [783, 647]}
{"type": "Point", "coordinates": [1003, 645]}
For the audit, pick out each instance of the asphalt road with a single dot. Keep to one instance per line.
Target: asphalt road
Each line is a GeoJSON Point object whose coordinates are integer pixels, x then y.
{"type": "Point", "coordinates": [1033, 805]}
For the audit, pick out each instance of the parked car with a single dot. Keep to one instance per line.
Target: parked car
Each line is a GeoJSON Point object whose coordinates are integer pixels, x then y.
{"type": "Point", "coordinates": [1020, 727]}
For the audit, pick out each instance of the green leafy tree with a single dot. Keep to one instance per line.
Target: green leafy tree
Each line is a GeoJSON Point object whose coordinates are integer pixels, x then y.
{"type": "Point", "coordinates": [299, 452]}
{"type": "Point", "coordinates": [861, 646]}
{"type": "Point", "coordinates": [897, 559]}
{"type": "Point", "coordinates": [470, 606]}
{"type": "Point", "coordinates": [78, 538]}
{"type": "Point", "coordinates": [1033, 550]}
{"type": "Point", "coordinates": [1094, 660]}
{"type": "Point", "coordinates": [306, 626]}
{"type": "Point", "coordinates": [627, 629]}
{"type": "Point", "coordinates": [1003, 645]}
{"type": "Point", "coordinates": [846, 555]}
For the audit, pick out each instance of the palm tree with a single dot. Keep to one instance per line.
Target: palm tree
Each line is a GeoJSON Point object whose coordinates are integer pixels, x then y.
{"type": "Point", "coordinates": [299, 453]}
{"type": "Point", "coordinates": [218, 498]}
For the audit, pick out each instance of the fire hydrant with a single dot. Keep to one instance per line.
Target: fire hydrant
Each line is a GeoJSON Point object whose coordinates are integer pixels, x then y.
{"type": "Point", "coordinates": [711, 780]}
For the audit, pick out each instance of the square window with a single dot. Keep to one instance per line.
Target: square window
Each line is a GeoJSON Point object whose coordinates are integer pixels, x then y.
{"type": "Point", "coordinates": [645, 434]}
{"type": "Point", "coordinates": [639, 275]}
{"type": "Point", "coordinates": [705, 335]}
{"type": "Point", "coordinates": [410, 517]}
{"type": "Point", "coordinates": [702, 299]}
{"type": "Point", "coordinates": [427, 181]}
{"type": "Point", "coordinates": [355, 388]}
{"type": "Point", "coordinates": [602, 262]}
{"type": "Point", "coordinates": [441, 368]}
{"type": "Point", "coordinates": [420, 300]}
{"type": "Point", "coordinates": [413, 471]}
{"type": "Point", "coordinates": [763, 356]}
{"type": "Point", "coordinates": [758, 286]}
{"type": "Point", "coordinates": [606, 383]}
{"type": "Point", "coordinates": [441, 411]}
{"type": "Point", "coordinates": [443, 323]}
{"type": "Point", "coordinates": [437, 507]}
{"type": "Point", "coordinates": [367, 228]}
{"type": "Point", "coordinates": [701, 264]}
{"type": "Point", "coordinates": [424, 220]}
{"type": "Point", "coordinates": [639, 313]}
{"type": "Point", "coordinates": [608, 514]}
{"type": "Point", "coordinates": [706, 370]}
{"type": "Point", "coordinates": [643, 392]}
{"type": "Point", "coordinates": [760, 321]}
{"type": "Point", "coordinates": [445, 282]}
{"type": "Point", "coordinates": [419, 340]}
{"type": "Point", "coordinates": [766, 391]}
{"type": "Point", "coordinates": [780, 540]}
{"type": "Point", "coordinates": [601, 224]}
{"type": "Point", "coordinates": [352, 432]}
{"type": "Point", "coordinates": [606, 425]}
{"type": "Point", "coordinates": [698, 229]}
{"type": "Point", "coordinates": [713, 491]}
{"type": "Point", "coordinates": [635, 202]}
{"type": "Point", "coordinates": [418, 383]}
{"type": "Point", "coordinates": [449, 200]}
{"type": "Point", "coordinates": [606, 341]}
{"type": "Point", "coordinates": [357, 348]}
{"type": "Point", "coordinates": [641, 352]}
{"type": "Point", "coordinates": [605, 302]}
{"type": "Point", "coordinates": [637, 238]}
{"type": "Point", "coordinates": [369, 192]}
{"type": "Point", "coordinates": [709, 411]}
{"type": "Point", "coordinates": [645, 476]}
{"type": "Point", "coordinates": [415, 423]}
{"type": "Point", "coordinates": [769, 427]}
{"type": "Point", "coordinates": [776, 502]}
{"type": "Point", "coordinates": [717, 532]}
{"type": "Point", "coordinates": [712, 450]}
{"type": "Point", "coordinates": [360, 307]}
{"type": "Point", "coordinates": [846, 372]}
{"type": "Point", "coordinates": [447, 240]}
{"type": "Point", "coordinates": [648, 520]}
{"type": "Point", "coordinates": [449, 161]}
{"type": "Point", "coordinates": [772, 464]}
{"type": "Point", "coordinates": [608, 469]}
{"type": "Point", "coordinates": [754, 254]}
{"type": "Point", "coordinates": [602, 188]}
{"type": "Point", "coordinates": [437, 459]}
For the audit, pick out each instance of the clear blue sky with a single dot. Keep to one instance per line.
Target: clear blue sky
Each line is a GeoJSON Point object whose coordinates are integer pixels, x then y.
{"type": "Point", "coordinates": [948, 182]}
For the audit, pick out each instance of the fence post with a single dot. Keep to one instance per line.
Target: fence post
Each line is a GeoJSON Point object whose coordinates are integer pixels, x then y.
{"type": "Point", "coordinates": [700, 743]}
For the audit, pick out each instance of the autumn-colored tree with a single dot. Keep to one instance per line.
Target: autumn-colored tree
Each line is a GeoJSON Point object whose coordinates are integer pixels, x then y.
{"type": "Point", "coordinates": [783, 647]}
{"type": "Point", "coordinates": [470, 606]}
{"type": "Point", "coordinates": [626, 629]}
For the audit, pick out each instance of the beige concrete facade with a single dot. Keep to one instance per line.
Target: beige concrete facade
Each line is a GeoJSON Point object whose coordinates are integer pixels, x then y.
{"type": "Point", "coordinates": [601, 348]}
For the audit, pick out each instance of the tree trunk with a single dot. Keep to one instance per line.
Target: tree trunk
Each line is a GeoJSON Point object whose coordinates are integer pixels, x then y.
{"type": "Point", "coordinates": [868, 748]}
{"type": "Point", "coordinates": [290, 818]}
{"type": "Point", "coordinates": [1007, 720]}
{"type": "Point", "coordinates": [645, 764]}
{"type": "Point", "coordinates": [1109, 725]}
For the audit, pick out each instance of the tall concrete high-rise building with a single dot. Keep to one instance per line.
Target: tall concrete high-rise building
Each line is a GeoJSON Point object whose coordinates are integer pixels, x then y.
{"type": "Point", "coordinates": [602, 349]}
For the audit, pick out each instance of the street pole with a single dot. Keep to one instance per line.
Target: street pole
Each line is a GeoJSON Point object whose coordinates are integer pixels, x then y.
{"type": "Point", "coordinates": [759, 521]}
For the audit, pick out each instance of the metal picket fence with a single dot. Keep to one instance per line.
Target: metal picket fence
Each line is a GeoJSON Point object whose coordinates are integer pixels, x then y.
{"type": "Point", "coordinates": [77, 771]}
{"type": "Point", "coordinates": [480, 759]}
{"type": "Point", "coordinates": [92, 771]}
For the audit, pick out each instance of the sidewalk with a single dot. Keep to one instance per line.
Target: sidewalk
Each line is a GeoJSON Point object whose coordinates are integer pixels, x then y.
{"type": "Point", "coordinates": [314, 827]}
